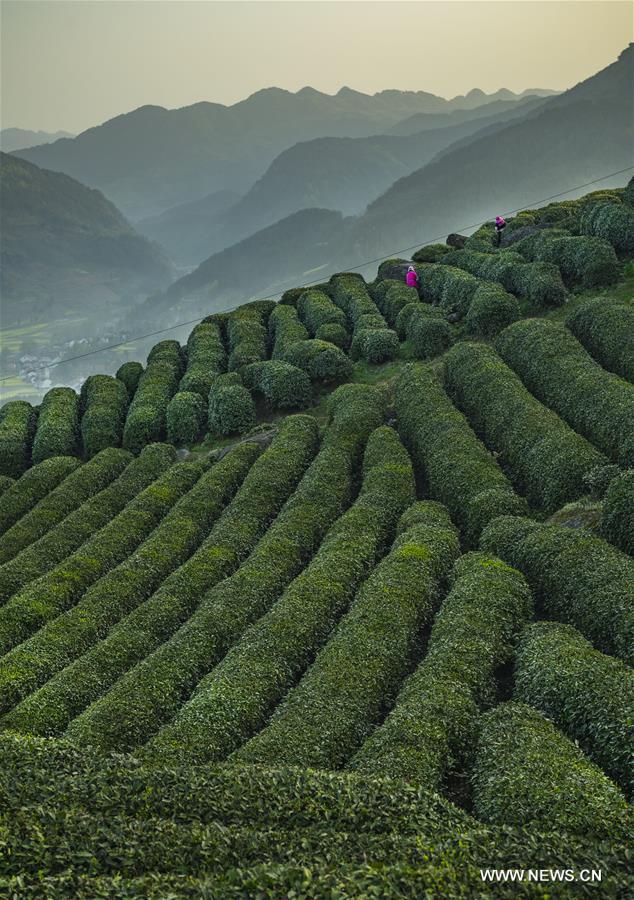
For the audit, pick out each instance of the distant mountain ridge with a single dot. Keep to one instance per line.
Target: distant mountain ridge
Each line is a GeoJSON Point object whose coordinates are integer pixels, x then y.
{"type": "Point", "coordinates": [152, 158]}
{"type": "Point", "coordinates": [18, 138]}
{"type": "Point", "coordinates": [65, 248]}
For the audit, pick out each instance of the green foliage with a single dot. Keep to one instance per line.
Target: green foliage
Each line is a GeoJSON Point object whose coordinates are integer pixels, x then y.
{"type": "Point", "coordinates": [186, 415]}
{"type": "Point", "coordinates": [231, 406]}
{"type": "Point", "coordinates": [206, 358]}
{"type": "Point", "coordinates": [431, 253]}
{"type": "Point", "coordinates": [614, 222]}
{"type": "Point", "coordinates": [234, 701]}
{"type": "Point", "coordinates": [433, 724]}
{"type": "Point", "coordinates": [129, 373]}
{"type": "Point", "coordinates": [590, 696]}
{"type": "Point", "coordinates": [5, 483]}
{"type": "Point", "coordinates": [589, 261]}
{"type": "Point", "coordinates": [57, 432]}
{"type": "Point", "coordinates": [132, 831]}
{"type": "Point", "coordinates": [557, 370]}
{"type": "Point", "coordinates": [112, 603]}
{"type": "Point", "coordinates": [546, 459]}
{"type": "Point", "coordinates": [320, 360]}
{"type": "Point", "coordinates": [74, 511]}
{"type": "Point", "coordinates": [149, 693]}
{"type": "Point", "coordinates": [538, 282]}
{"type": "Point", "coordinates": [285, 329]}
{"type": "Point", "coordinates": [458, 470]}
{"type": "Point", "coordinates": [606, 330]}
{"type": "Point", "coordinates": [291, 297]}
{"type": "Point", "coordinates": [324, 720]}
{"type": "Point", "coordinates": [426, 329]}
{"type": "Point", "coordinates": [577, 577]}
{"type": "Point", "coordinates": [618, 512]}
{"type": "Point", "coordinates": [597, 480]}
{"type": "Point", "coordinates": [60, 586]}
{"type": "Point", "coordinates": [110, 599]}
{"type": "Point", "coordinates": [316, 309]}
{"type": "Point", "coordinates": [628, 192]}
{"type": "Point", "coordinates": [372, 340]}
{"type": "Point", "coordinates": [281, 384]}
{"type": "Point", "coordinates": [247, 337]}
{"type": "Point", "coordinates": [334, 334]}
{"type": "Point", "coordinates": [104, 402]}
{"type": "Point", "coordinates": [491, 310]}
{"type": "Point", "coordinates": [527, 772]}
{"type": "Point", "coordinates": [20, 496]}
{"type": "Point", "coordinates": [146, 421]}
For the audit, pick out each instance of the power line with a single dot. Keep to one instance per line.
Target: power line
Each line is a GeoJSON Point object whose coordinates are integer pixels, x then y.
{"type": "Point", "coordinates": [361, 265]}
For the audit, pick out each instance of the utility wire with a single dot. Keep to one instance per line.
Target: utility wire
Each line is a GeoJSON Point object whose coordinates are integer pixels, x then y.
{"type": "Point", "coordinates": [360, 265]}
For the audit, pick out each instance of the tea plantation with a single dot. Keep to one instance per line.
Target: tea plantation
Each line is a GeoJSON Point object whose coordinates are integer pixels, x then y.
{"type": "Point", "coordinates": [373, 631]}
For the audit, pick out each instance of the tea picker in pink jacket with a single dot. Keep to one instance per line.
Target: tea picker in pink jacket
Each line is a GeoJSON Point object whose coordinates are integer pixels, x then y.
{"type": "Point", "coordinates": [411, 279]}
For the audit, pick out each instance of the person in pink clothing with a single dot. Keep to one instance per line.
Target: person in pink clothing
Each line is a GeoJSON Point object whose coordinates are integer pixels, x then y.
{"type": "Point", "coordinates": [411, 279]}
{"type": "Point", "coordinates": [500, 225]}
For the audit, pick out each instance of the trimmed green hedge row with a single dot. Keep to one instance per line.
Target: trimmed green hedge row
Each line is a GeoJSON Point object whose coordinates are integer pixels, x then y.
{"type": "Point", "coordinates": [558, 371]}
{"type": "Point", "coordinates": [431, 253]}
{"type": "Point", "coordinates": [391, 296]}
{"type": "Point", "coordinates": [448, 287]}
{"type": "Point", "coordinates": [589, 261]}
{"type": "Point", "coordinates": [539, 282]}
{"type": "Point", "coordinates": [491, 310]}
{"type": "Point", "coordinates": [266, 813]}
{"type": "Point", "coordinates": [426, 329]}
{"type": "Point", "coordinates": [147, 414]}
{"type": "Point", "coordinates": [156, 688]}
{"type": "Point", "coordinates": [206, 358]}
{"type": "Point", "coordinates": [231, 406]}
{"type": "Point", "coordinates": [247, 338]}
{"type": "Point", "coordinates": [57, 432]}
{"type": "Point", "coordinates": [80, 483]}
{"type": "Point", "coordinates": [130, 373]}
{"type": "Point", "coordinates": [458, 469]}
{"type": "Point", "coordinates": [233, 701]}
{"type": "Point", "coordinates": [578, 578]}
{"type": "Point", "coordinates": [115, 595]}
{"type": "Point", "coordinates": [614, 222]}
{"type": "Point", "coordinates": [62, 585]}
{"type": "Point", "coordinates": [186, 417]}
{"type": "Point", "coordinates": [270, 482]}
{"type": "Point", "coordinates": [73, 512]}
{"type": "Point", "coordinates": [282, 385]}
{"type": "Point", "coordinates": [606, 330]}
{"type": "Point", "coordinates": [433, 725]}
{"type": "Point", "coordinates": [546, 458]}
{"type": "Point", "coordinates": [590, 696]}
{"type": "Point", "coordinates": [5, 483]}
{"type": "Point", "coordinates": [372, 340]}
{"type": "Point", "coordinates": [324, 720]}
{"type": "Point", "coordinates": [18, 497]}
{"type": "Point", "coordinates": [320, 360]}
{"type": "Point", "coordinates": [104, 404]}
{"type": "Point", "coordinates": [284, 329]}
{"type": "Point", "coordinates": [617, 523]}
{"type": "Point", "coordinates": [527, 772]}
{"type": "Point", "coordinates": [334, 334]}
{"type": "Point", "coordinates": [17, 427]}
{"type": "Point", "coordinates": [316, 309]}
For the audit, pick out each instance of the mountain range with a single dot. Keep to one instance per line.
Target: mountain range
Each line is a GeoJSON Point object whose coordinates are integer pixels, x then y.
{"type": "Point", "coordinates": [66, 249]}
{"type": "Point", "coordinates": [327, 172]}
{"type": "Point", "coordinates": [576, 137]}
{"type": "Point", "coordinates": [17, 138]}
{"type": "Point", "coordinates": [152, 158]}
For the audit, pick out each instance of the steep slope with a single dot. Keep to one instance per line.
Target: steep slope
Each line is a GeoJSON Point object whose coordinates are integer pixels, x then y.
{"type": "Point", "coordinates": [64, 245]}
{"type": "Point", "coordinates": [580, 135]}
{"type": "Point", "coordinates": [330, 172]}
{"type": "Point", "coordinates": [152, 158]}
{"type": "Point", "coordinates": [16, 138]}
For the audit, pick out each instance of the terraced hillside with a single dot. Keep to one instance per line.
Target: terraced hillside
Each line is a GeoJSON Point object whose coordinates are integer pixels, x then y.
{"type": "Point", "coordinates": [373, 632]}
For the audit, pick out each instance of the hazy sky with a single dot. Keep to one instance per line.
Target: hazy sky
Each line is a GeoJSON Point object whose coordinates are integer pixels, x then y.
{"type": "Point", "coordinates": [70, 65]}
